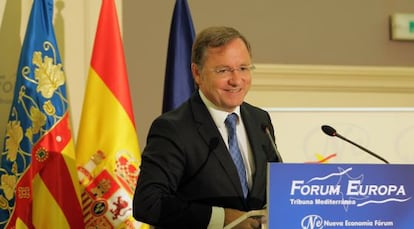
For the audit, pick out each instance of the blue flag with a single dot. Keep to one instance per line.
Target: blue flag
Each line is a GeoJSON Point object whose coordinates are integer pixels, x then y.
{"type": "Point", "coordinates": [38, 189]}
{"type": "Point", "coordinates": [179, 83]}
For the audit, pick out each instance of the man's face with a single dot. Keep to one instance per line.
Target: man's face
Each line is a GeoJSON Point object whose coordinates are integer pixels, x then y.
{"type": "Point", "coordinates": [225, 78]}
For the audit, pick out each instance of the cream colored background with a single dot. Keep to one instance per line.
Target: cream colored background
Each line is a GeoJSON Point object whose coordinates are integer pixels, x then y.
{"type": "Point", "coordinates": [387, 132]}
{"type": "Point", "coordinates": [320, 53]}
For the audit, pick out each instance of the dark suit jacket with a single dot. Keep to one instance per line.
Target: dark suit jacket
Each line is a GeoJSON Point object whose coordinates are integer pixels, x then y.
{"type": "Point", "coordinates": [186, 167]}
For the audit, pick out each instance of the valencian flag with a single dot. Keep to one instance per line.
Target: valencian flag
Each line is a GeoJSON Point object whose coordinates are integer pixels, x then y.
{"type": "Point", "coordinates": [178, 82]}
{"type": "Point", "coordinates": [39, 183]}
{"type": "Point", "coordinates": [107, 149]}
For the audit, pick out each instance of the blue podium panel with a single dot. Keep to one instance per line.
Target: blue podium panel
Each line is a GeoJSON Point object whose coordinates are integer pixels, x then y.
{"type": "Point", "coordinates": [315, 196]}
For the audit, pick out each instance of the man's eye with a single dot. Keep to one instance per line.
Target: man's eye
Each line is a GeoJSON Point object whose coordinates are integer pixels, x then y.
{"type": "Point", "coordinates": [222, 70]}
{"type": "Point", "coordinates": [244, 69]}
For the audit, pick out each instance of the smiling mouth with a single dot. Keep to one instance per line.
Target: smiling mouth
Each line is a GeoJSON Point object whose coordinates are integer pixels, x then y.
{"type": "Point", "coordinates": [235, 90]}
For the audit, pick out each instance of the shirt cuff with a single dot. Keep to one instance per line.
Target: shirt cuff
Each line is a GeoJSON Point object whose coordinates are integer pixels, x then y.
{"type": "Point", "coordinates": [217, 218]}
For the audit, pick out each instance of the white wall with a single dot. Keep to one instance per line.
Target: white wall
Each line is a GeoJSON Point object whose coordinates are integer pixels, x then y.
{"type": "Point", "coordinates": [387, 132]}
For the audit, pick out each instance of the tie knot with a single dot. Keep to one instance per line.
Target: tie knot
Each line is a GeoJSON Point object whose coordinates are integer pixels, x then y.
{"type": "Point", "coordinates": [231, 120]}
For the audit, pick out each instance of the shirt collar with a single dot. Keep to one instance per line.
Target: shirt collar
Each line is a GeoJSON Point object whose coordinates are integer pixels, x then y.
{"type": "Point", "coordinates": [218, 115]}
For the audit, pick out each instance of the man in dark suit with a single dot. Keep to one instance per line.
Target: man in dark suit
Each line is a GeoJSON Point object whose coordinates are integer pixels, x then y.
{"type": "Point", "coordinates": [189, 176]}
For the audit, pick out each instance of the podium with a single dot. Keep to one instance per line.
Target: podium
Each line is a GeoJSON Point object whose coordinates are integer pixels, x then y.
{"type": "Point", "coordinates": [314, 196]}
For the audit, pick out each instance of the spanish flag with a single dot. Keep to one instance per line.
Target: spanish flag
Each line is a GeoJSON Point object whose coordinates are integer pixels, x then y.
{"type": "Point", "coordinates": [107, 149]}
{"type": "Point", "coordinates": [39, 183]}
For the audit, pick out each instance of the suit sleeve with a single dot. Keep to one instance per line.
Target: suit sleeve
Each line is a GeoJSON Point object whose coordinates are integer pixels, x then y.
{"type": "Point", "coordinates": [162, 168]}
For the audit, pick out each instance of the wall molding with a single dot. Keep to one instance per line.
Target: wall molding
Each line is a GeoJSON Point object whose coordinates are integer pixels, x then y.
{"type": "Point", "coordinates": [328, 78]}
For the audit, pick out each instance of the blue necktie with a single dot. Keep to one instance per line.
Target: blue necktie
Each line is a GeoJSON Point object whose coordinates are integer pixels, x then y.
{"type": "Point", "coordinates": [234, 149]}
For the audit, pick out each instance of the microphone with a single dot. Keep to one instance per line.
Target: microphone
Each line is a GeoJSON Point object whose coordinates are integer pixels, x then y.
{"type": "Point", "coordinates": [212, 145]}
{"type": "Point", "coordinates": [267, 131]}
{"type": "Point", "coordinates": [332, 132]}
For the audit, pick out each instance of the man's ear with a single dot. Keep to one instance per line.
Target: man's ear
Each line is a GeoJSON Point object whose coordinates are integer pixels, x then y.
{"type": "Point", "coordinates": [196, 73]}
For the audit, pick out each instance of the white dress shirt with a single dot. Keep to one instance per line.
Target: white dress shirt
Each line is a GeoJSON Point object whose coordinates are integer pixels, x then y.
{"type": "Point", "coordinates": [217, 216]}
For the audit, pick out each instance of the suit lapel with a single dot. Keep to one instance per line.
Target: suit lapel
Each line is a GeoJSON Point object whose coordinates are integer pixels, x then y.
{"type": "Point", "coordinates": [209, 131]}
{"type": "Point", "coordinates": [254, 134]}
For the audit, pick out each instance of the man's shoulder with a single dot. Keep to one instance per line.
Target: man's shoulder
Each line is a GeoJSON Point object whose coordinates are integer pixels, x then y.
{"type": "Point", "coordinates": [252, 112]}
{"type": "Point", "coordinates": [252, 108]}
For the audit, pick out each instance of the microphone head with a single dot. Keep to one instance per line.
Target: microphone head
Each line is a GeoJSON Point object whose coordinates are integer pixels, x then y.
{"type": "Point", "coordinates": [212, 145]}
{"type": "Point", "coordinates": [329, 130]}
{"type": "Point", "coordinates": [265, 127]}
